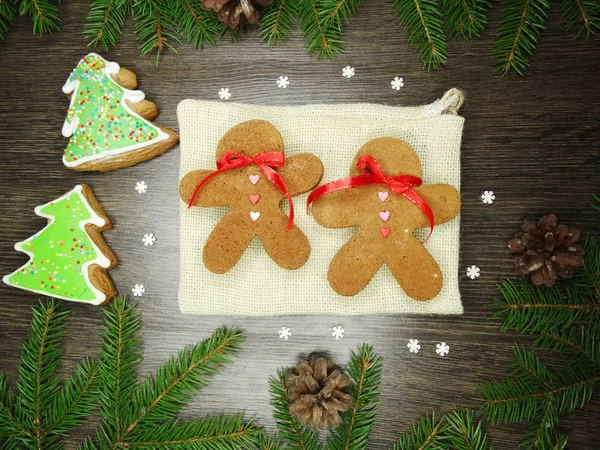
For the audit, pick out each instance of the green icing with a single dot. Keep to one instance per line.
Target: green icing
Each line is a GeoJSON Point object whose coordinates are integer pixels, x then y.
{"type": "Point", "coordinates": [104, 124]}
{"type": "Point", "coordinates": [59, 252]}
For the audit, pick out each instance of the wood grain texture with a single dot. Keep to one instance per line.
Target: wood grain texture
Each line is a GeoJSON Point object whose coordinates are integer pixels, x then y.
{"type": "Point", "coordinates": [532, 140]}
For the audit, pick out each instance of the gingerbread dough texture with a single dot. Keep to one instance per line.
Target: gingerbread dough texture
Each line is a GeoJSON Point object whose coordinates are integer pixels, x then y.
{"type": "Point", "coordinates": [254, 201]}
{"type": "Point", "coordinates": [386, 222]}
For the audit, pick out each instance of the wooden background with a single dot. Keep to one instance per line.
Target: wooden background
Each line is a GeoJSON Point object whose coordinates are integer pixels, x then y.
{"type": "Point", "coordinates": [532, 140]}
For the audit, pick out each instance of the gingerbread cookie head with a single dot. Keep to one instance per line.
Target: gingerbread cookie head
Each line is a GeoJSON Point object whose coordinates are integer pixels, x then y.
{"type": "Point", "coordinates": [253, 178]}
{"type": "Point", "coordinates": [386, 199]}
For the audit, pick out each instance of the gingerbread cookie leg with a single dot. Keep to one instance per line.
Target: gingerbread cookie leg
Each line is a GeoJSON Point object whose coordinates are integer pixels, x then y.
{"type": "Point", "coordinates": [353, 266]}
{"type": "Point", "coordinates": [227, 243]}
{"type": "Point", "coordinates": [415, 270]}
{"type": "Point", "coordinates": [291, 249]}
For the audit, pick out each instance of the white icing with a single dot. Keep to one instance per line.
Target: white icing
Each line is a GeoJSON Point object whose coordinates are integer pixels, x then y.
{"type": "Point", "coordinates": [102, 260]}
{"type": "Point", "coordinates": [133, 96]}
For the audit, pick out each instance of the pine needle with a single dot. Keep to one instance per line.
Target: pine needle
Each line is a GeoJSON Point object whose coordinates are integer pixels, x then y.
{"type": "Point", "coordinates": [320, 35]}
{"type": "Point", "coordinates": [200, 26]}
{"type": "Point", "coordinates": [155, 26]}
{"type": "Point", "coordinates": [44, 14]}
{"type": "Point", "coordinates": [356, 424]}
{"type": "Point", "coordinates": [8, 11]}
{"type": "Point", "coordinates": [583, 14]}
{"type": "Point", "coordinates": [105, 22]}
{"type": "Point", "coordinates": [277, 21]}
{"type": "Point", "coordinates": [426, 434]}
{"type": "Point", "coordinates": [338, 12]}
{"type": "Point", "coordinates": [465, 432]}
{"type": "Point", "coordinates": [464, 18]}
{"type": "Point", "coordinates": [520, 27]}
{"type": "Point", "coordinates": [423, 20]}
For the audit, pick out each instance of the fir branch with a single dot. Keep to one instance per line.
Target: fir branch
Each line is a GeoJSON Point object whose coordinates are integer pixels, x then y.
{"type": "Point", "coordinates": [465, 433]}
{"type": "Point", "coordinates": [424, 22]}
{"type": "Point", "coordinates": [587, 278]}
{"type": "Point", "coordinates": [155, 26]}
{"type": "Point", "coordinates": [11, 424]}
{"type": "Point", "coordinates": [580, 342]}
{"type": "Point", "coordinates": [533, 308]}
{"type": "Point", "coordinates": [37, 384]}
{"type": "Point", "coordinates": [200, 26]}
{"type": "Point", "coordinates": [277, 21]}
{"type": "Point", "coordinates": [354, 431]}
{"type": "Point", "coordinates": [211, 433]}
{"type": "Point", "coordinates": [8, 11]}
{"type": "Point", "coordinates": [464, 18]}
{"type": "Point", "coordinates": [120, 359]}
{"type": "Point", "coordinates": [320, 35]}
{"type": "Point", "coordinates": [426, 434]}
{"type": "Point", "coordinates": [182, 376]}
{"type": "Point", "coordinates": [296, 436]}
{"type": "Point", "coordinates": [105, 22]}
{"type": "Point", "coordinates": [520, 27]}
{"type": "Point", "coordinates": [583, 14]}
{"type": "Point", "coordinates": [44, 14]}
{"type": "Point", "coordinates": [339, 11]}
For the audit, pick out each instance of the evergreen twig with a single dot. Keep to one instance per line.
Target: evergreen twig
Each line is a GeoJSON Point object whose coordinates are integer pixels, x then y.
{"type": "Point", "coordinates": [277, 21]}
{"type": "Point", "coordinates": [155, 26]}
{"type": "Point", "coordinates": [44, 14]}
{"type": "Point", "coordinates": [320, 34]}
{"type": "Point", "coordinates": [8, 11]}
{"type": "Point", "coordinates": [583, 14]}
{"type": "Point", "coordinates": [200, 26]}
{"type": "Point", "coordinates": [423, 20]}
{"type": "Point", "coordinates": [520, 27]}
{"type": "Point", "coordinates": [105, 22]}
{"type": "Point", "coordinates": [426, 434]}
{"type": "Point", "coordinates": [464, 18]}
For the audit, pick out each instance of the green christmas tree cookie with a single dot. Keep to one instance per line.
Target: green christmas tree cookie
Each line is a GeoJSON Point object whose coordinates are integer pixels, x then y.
{"type": "Point", "coordinates": [68, 258]}
{"type": "Point", "coordinates": [108, 124]}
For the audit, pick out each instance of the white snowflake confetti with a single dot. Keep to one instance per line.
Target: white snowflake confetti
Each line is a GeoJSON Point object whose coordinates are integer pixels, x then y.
{"type": "Point", "coordinates": [337, 332]}
{"type": "Point", "coordinates": [138, 290]}
{"type": "Point", "coordinates": [397, 83]}
{"type": "Point", "coordinates": [488, 197]}
{"type": "Point", "coordinates": [283, 82]}
{"type": "Point", "coordinates": [149, 239]}
{"type": "Point", "coordinates": [442, 349]}
{"type": "Point", "coordinates": [285, 333]}
{"type": "Point", "coordinates": [413, 345]}
{"type": "Point", "coordinates": [348, 71]}
{"type": "Point", "coordinates": [473, 272]}
{"type": "Point", "coordinates": [141, 187]}
{"type": "Point", "coordinates": [224, 94]}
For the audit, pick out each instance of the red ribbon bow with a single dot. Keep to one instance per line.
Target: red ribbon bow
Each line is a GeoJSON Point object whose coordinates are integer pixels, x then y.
{"type": "Point", "coordinates": [399, 184]}
{"type": "Point", "coordinates": [265, 161]}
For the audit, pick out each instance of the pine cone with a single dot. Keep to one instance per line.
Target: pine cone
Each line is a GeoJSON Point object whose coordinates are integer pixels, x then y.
{"type": "Point", "coordinates": [231, 11]}
{"type": "Point", "coordinates": [548, 251]}
{"type": "Point", "coordinates": [318, 392]}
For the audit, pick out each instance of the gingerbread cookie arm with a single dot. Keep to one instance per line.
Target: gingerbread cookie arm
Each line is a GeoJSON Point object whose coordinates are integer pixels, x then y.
{"type": "Point", "coordinates": [340, 209]}
{"type": "Point", "coordinates": [301, 173]}
{"type": "Point", "coordinates": [289, 249]}
{"type": "Point", "coordinates": [213, 193]}
{"type": "Point", "coordinates": [444, 201]}
{"type": "Point", "coordinates": [415, 269]}
{"type": "Point", "coordinates": [227, 242]}
{"type": "Point", "coordinates": [354, 265]}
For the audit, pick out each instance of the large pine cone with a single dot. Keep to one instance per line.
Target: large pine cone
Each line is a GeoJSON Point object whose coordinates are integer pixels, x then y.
{"type": "Point", "coordinates": [548, 251]}
{"type": "Point", "coordinates": [231, 11]}
{"type": "Point", "coordinates": [317, 392]}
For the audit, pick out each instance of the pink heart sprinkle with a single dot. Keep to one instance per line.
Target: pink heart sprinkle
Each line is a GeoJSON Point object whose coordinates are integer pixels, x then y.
{"type": "Point", "coordinates": [254, 198]}
{"type": "Point", "coordinates": [254, 178]}
{"type": "Point", "coordinates": [383, 195]}
{"type": "Point", "coordinates": [385, 232]}
{"type": "Point", "coordinates": [385, 215]}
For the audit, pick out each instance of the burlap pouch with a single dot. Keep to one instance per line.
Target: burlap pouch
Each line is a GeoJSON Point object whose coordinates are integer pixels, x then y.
{"type": "Point", "coordinates": [256, 285]}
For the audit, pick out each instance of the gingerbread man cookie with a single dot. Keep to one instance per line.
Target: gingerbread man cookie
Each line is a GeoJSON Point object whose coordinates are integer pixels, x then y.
{"type": "Point", "coordinates": [385, 198]}
{"type": "Point", "coordinates": [253, 177]}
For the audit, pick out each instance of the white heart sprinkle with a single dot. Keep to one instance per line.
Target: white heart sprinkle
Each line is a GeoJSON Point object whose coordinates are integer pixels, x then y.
{"type": "Point", "coordinates": [254, 215]}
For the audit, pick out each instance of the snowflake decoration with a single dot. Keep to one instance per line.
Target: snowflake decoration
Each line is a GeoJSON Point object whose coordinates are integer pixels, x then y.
{"type": "Point", "coordinates": [138, 290]}
{"type": "Point", "coordinates": [413, 345]}
{"type": "Point", "coordinates": [149, 239]}
{"type": "Point", "coordinates": [141, 187]}
{"type": "Point", "coordinates": [488, 197]}
{"type": "Point", "coordinates": [473, 272]}
{"type": "Point", "coordinates": [442, 349]}
{"type": "Point", "coordinates": [285, 333]}
{"type": "Point", "coordinates": [283, 82]}
{"type": "Point", "coordinates": [337, 332]}
{"type": "Point", "coordinates": [224, 94]}
{"type": "Point", "coordinates": [397, 83]}
{"type": "Point", "coordinates": [348, 71]}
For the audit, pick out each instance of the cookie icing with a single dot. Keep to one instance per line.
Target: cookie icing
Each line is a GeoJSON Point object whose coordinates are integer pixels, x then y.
{"type": "Point", "coordinates": [62, 252]}
{"type": "Point", "coordinates": [99, 122]}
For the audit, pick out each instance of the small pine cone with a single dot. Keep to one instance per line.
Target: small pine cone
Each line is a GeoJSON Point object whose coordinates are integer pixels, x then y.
{"type": "Point", "coordinates": [318, 392]}
{"type": "Point", "coordinates": [230, 12]}
{"type": "Point", "coordinates": [548, 251]}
